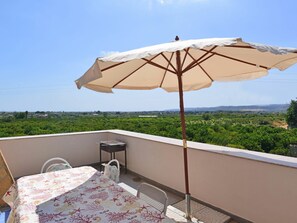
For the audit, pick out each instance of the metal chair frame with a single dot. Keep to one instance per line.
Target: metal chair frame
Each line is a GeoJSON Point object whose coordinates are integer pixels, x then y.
{"type": "Point", "coordinates": [153, 196]}
{"type": "Point", "coordinates": [62, 164]}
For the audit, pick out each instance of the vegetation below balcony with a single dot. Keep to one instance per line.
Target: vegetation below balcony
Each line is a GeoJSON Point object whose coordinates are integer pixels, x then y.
{"type": "Point", "coordinates": [265, 132]}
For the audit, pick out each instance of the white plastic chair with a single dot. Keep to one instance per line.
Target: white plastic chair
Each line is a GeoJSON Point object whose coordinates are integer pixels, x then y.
{"type": "Point", "coordinates": [57, 164]}
{"type": "Point", "coordinates": [112, 172]}
{"type": "Point", "coordinates": [154, 196]}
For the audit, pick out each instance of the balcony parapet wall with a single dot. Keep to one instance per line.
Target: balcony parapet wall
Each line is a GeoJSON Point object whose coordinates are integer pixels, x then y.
{"type": "Point", "coordinates": [256, 186]}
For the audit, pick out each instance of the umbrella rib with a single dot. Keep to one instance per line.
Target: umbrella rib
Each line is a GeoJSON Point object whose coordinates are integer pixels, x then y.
{"type": "Point", "coordinates": [197, 61]}
{"type": "Point", "coordinates": [134, 71]}
{"type": "Point", "coordinates": [204, 59]}
{"type": "Point", "coordinates": [157, 65]}
{"type": "Point", "coordinates": [194, 58]}
{"type": "Point", "coordinates": [166, 70]}
{"type": "Point", "coordinates": [112, 66]}
{"type": "Point", "coordinates": [184, 60]}
{"type": "Point", "coordinates": [169, 62]}
{"type": "Point", "coordinates": [248, 47]}
{"type": "Point", "coordinates": [205, 72]}
{"type": "Point", "coordinates": [238, 60]}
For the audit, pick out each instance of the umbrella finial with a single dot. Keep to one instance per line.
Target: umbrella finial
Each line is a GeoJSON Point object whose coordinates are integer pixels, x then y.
{"type": "Point", "coordinates": [176, 38]}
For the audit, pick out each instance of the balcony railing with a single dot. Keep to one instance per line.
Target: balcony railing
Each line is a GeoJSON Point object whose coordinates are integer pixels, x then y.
{"type": "Point", "coordinates": [255, 186]}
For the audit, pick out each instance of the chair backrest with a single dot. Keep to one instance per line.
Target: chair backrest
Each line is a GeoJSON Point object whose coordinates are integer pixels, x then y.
{"type": "Point", "coordinates": [55, 164]}
{"type": "Point", "coordinates": [112, 172]}
{"type": "Point", "coordinates": [6, 179]}
{"type": "Point", "coordinates": [153, 196]}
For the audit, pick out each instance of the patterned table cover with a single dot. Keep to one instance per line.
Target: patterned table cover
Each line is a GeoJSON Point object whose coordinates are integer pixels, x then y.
{"type": "Point", "coordinates": [78, 195]}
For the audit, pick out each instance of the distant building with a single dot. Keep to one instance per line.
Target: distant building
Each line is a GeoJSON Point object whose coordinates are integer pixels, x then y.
{"type": "Point", "coordinates": [41, 115]}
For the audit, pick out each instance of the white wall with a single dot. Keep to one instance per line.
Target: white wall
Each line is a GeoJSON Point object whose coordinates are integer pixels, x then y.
{"type": "Point", "coordinates": [256, 186]}
{"type": "Point", "coordinates": [26, 155]}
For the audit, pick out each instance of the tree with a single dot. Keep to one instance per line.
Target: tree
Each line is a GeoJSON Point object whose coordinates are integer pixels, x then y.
{"type": "Point", "coordinates": [20, 115]}
{"type": "Point", "coordinates": [291, 116]}
{"type": "Point", "coordinates": [206, 117]}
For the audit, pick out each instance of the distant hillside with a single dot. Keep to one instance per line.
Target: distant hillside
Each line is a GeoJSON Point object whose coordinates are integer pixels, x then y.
{"type": "Point", "coordinates": [245, 108]}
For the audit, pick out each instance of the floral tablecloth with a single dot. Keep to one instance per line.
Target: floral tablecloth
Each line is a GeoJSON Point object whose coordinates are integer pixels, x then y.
{"type": "Point", "coordinates": [78, 195]}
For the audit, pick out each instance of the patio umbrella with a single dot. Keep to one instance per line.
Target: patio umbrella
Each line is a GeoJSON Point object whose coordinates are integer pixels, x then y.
{"type": "Point", "coordinates": [185, 66]}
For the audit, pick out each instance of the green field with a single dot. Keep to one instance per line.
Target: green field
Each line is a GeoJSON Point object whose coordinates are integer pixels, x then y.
{"type": "Point", "coordinates": [263, 132]}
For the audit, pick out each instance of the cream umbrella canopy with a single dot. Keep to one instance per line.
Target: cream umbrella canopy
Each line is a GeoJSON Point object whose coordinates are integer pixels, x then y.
{"type": "Point", "coordinates": [185, 66]}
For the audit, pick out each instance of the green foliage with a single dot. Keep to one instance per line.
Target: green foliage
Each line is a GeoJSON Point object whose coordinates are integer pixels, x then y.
{"type": "Point", "coordinates": [291, 117]}
{"type": "Point", "coordinates": [206, 117]}
{"type": "Point", "coordinates": [249, 131]}
{"type": "Point", "coordinates": [20, 115]}
{"type": "Point", "coordinates": [235, 146]}
{"type": "Point", "coordinates": [280, 151]}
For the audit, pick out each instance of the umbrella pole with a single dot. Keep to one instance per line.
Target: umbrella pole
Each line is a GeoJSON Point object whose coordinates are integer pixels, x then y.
{"type": "Point", "coordinates": [183, 125]}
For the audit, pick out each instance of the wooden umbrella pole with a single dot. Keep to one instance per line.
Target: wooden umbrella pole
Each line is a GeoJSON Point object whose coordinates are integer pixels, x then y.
{"type": "Point", "coordinates": [184, 136]}
{"type": "Point", "coordinates": [183, 123]}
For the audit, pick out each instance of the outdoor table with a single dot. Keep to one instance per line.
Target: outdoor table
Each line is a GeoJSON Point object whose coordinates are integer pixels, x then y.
{"type": "Point", "coordinates": [112, 147]}
{"type": "Point", "coordinates": [80, 194]}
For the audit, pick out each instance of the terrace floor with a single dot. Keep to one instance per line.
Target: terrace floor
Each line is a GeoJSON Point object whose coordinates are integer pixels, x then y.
{"type": "Point", "coordinates": [175, 211]}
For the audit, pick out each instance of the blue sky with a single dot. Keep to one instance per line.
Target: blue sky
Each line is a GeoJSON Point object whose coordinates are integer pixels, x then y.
{"type": "Point", "coordinates": [46, 45]}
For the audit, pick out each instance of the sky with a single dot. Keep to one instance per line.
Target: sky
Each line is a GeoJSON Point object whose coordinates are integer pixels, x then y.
{"type": "Point", "coordinates": [46, 45]}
